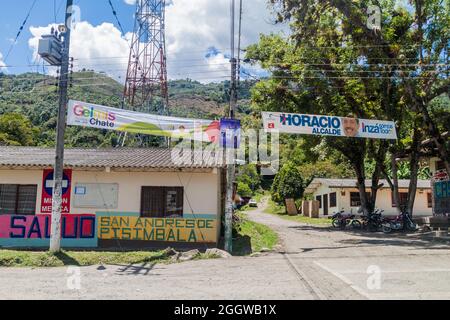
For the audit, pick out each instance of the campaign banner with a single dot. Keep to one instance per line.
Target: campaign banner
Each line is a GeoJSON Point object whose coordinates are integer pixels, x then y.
{"type": "Point", "coordinates": [230, 130]}
{"type": "Point", "coordinates": [101, 117]}
{"type": "Point", "coordinates": [329, 126]}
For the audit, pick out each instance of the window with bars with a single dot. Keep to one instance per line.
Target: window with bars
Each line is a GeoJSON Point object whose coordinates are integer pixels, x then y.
{"type": "Point", "coordinates": [18, 199]}
{"type": "Point", "coordinates": [403, 199]}
{"type": "Point", "coordinates": [355, 199]}
{"type": "Point", "coordinates": [162, 202]}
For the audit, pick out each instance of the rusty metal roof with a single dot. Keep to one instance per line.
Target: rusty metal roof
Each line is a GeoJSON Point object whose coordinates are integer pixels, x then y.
{"type": "Point", "coordinates": [120, 158]}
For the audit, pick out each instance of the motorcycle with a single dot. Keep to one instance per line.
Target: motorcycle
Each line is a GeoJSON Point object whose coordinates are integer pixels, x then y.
{"type": "Point", "coordinates": [401, 222]}
{"type": "Point", "coordinates": [373, 222]}
{"type": "Point", "coordinates": [341, 220]}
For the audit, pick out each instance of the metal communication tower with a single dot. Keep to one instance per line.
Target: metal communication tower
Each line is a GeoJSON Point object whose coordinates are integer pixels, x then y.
{"type": "Point", "coordinates": [147, 66]}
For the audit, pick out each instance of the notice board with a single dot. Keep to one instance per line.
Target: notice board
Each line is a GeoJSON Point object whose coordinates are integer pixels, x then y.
{"type": "Point", "coordinates": [96, 195]}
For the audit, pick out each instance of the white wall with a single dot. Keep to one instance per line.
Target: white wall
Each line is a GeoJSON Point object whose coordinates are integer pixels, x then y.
{"type": "Point", "coordinates": [384, 201]}
{"type": "Point", "coordinates": [201, 190]}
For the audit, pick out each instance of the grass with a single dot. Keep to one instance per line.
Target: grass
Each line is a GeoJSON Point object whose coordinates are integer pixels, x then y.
{"type": "Point", "coordinates": [253, 237]}
{"type": "Point", "coordinates": [278, 210]}
{"type": "Point", "coordinates": [44, 259]}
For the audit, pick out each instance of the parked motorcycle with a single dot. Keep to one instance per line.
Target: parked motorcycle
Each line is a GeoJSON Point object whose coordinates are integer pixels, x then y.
{"type": "Point", "coordinates": [401, 222]}
{"type": "Point", "coordinates": [373, 222]}
{"type": "Point", "coordinates": [342, 220]}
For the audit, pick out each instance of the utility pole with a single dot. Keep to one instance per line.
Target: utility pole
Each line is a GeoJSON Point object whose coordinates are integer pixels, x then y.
{"type": "Point", "coordinates": [55, 236]}
{"type": "Point", "coordinates": [231, 168]}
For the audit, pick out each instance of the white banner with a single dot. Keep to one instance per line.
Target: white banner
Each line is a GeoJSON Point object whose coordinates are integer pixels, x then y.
{"type": "Point", "coordinates": [329, 126]}
{"type": "Point", "coordinates": [100, 117]}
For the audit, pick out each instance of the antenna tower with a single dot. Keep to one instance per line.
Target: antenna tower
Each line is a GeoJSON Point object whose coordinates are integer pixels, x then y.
{"type": "Point", "coordinates": [147, 66]}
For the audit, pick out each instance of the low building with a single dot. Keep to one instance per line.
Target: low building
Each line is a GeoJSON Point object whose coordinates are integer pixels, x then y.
{"type": "Point", "coordinates": [335, 195]}
{"type": "Point", "coordinates": [118, 198]}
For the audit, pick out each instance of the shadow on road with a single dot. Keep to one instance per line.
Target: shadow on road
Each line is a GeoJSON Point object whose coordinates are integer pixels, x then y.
{"type": "Point", "coordinates": [136, 270]}
{"type": "Point", "coordinates": [362, 237]}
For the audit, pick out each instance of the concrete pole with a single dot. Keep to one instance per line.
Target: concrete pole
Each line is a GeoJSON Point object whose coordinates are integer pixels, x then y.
{"type": "Point", "coordinates": [55, 236]}
{"type": "Point", "coordinates": [230, 151]}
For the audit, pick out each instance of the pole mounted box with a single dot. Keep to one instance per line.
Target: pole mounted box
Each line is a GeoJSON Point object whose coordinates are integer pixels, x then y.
{"type": "Point", "coordinates": [50, 49]}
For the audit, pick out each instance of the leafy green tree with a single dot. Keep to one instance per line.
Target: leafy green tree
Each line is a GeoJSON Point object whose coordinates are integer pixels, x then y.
{"type": "Point", "coordinates": [17, 130]}
{"type": "Point", "coordinates": [288, 184]}
{"type": "Point", "coordinates": [249, 176]}
{"type": "Point", "coordinates": [335, 64]}
{"type": "Point", "coordinates": [244, 190]}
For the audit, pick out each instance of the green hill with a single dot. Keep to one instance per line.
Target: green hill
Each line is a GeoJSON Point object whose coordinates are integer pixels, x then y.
{"type": "Point", "coordinates": [35, 97]}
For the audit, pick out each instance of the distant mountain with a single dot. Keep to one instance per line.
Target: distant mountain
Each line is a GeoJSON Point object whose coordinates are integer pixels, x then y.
{"type": "Point", "coordinates": [35, 96]}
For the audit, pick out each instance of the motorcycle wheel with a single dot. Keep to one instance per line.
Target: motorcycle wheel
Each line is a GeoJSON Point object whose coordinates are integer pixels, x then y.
{"type": "Point", "coordinates": [356, 224]}
{"type": "Point", "coordinates": [411, 226]}
{"type": "Point", "coordinates": [386, 228]}
{"type": "Point", "coordinates": [373, 227]}
{"type": "Point", "coordinates": [336, 223]}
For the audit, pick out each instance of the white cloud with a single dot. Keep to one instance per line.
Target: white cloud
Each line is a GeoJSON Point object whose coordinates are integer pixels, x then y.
{"type": "Point", "coordinates": [101, 47]}
{"type": "Point", "coordinates": [2, 63]}
{"type": "Point", "coordinates": [193, 27]}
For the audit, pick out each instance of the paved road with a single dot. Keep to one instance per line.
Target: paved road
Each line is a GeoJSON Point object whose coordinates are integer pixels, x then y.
{"type": "Point", "coordinates": [350, 265]}
{"type": "Point", "coordinates": [312, 263]}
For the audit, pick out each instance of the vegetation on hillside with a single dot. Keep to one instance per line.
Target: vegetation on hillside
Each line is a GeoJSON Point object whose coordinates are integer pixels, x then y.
{"type": "Point", "coordinates": [32, 99]}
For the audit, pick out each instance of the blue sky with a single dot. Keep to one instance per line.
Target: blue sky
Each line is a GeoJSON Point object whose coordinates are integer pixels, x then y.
{"type": "Point", "coordinates": [193, 28]}
{"type": "Point", "coordinates": [12, 16]}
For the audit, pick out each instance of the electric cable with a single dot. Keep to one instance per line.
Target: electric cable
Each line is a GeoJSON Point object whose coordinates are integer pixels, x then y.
{"type": "Point", "coordinates": [20, 30]}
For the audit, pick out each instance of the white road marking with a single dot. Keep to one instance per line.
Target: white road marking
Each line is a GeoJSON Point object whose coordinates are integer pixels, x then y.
{"type": "Point", "coordinates": [345, 280]}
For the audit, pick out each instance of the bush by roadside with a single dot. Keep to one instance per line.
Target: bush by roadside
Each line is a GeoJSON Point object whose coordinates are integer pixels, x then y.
{"type": "Point", "coordinates": [252, 237]}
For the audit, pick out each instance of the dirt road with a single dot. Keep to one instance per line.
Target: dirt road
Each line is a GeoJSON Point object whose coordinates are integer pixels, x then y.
{"type": "Point", "coordinates": [313, 263]}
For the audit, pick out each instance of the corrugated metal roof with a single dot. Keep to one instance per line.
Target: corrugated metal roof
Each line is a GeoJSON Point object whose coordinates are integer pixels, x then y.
{"type": "Point", "coordinates": [122, 158]}
{"type": "Point", "coordinates": [351, 183]}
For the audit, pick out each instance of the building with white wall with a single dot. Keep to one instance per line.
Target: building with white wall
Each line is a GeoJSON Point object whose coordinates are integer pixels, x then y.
{"type": "Point", "coordinates": [335, 195]}
{"type": "Point", "coordinates": [113, 198]}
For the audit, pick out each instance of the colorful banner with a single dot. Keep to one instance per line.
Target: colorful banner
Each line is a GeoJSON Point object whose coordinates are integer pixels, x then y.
{"type": "Point", "coordinates": [47, 191]}
{"type": "Point", "coordinates": [154, 229]}
{"type": "Point", "coordinates": [230, 133]}
{"type": "Point", "coordinates": [329, 126]}
{"type": "Point", "coordinates": [100, 117]}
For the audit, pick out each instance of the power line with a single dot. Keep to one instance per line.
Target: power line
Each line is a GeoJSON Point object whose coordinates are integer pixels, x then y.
{"type": "Point", "coordinates": [20, 30]}
{"type": "Point", "coordinates": [114, 12]}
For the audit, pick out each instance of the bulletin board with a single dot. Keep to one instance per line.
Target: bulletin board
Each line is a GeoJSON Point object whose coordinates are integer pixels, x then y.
{"type": "Point", "coordinates": [96, 195]}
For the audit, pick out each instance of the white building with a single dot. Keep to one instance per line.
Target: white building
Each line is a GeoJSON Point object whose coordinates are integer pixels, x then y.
{"type": "Point", "coordinates": [335, 195]}
{"type": "Point", "coordinates": [112, 198]}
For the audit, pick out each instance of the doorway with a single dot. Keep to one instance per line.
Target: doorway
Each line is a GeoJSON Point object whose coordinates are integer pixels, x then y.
{"type": "Point", "coordinates": [325, 204]}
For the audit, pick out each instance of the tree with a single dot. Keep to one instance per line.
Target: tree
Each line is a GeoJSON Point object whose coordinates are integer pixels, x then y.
{"type": "Point", "coordinates": [336, 65]}
{"type": "Point", "coordinates": [244, 190]}
{"type": "Point", "coordinates": [17, 130]}
{"type": "Point", "coordinates": [249, 176]}
{"type": "Point", "coordinates": [288, 184]}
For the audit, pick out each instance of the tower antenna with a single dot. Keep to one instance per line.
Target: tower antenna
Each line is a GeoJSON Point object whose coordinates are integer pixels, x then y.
{"type": "Point", "coordinates": [147, 67]}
